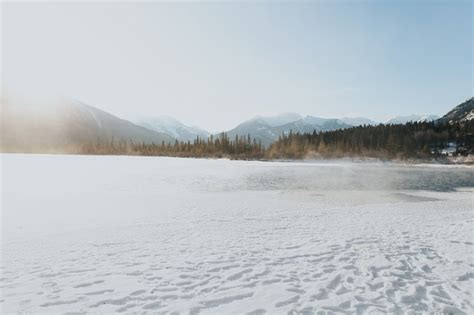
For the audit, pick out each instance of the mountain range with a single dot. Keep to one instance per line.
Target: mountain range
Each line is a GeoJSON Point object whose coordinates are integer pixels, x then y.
{"type": "Point", "coordinates": [173, 128]}
{"type": "Point", "coordinates": [70, 124]}
{"type": "Point", "coordinates": [268, 129]}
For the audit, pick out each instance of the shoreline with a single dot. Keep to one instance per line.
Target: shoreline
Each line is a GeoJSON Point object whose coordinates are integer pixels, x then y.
{"type": "Point", "coordinates": [408, 162]}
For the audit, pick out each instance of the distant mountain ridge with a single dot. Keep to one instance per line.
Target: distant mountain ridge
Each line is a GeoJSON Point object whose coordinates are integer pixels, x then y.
{"type": "Point", "coordinates": [358, 121]}
{"type": "Point", "coordinates": [173, 128]}
{"type": "Point", "coordinates": [310, 124]}
{"type": "Point", "coordinates": [266, 130]}
{"type": "Point", "coordinates": [257, 128]}
{"type": "Point", "coordinates": [280, 119]}
{"type": "Point", "coordinates": [411, 118]}
{"type": "Point", "coordinates": [66, 125]}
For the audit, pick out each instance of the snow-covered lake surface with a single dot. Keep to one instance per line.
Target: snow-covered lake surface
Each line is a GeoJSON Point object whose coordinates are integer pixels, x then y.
{"type": "Point", "coordinates": [165, 235]}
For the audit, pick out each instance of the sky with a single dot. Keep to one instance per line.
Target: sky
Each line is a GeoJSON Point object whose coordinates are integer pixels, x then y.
{"type": "Point", "coordinates": [216, 64]}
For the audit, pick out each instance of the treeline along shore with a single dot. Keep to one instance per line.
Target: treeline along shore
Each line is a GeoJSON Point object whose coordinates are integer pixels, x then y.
{"type": "Point", "coordinates": [415, 140]}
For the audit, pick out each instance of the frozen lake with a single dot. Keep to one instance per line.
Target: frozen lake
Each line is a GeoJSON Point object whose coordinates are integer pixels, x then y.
{"type": "Point", "coordinates": [106, 234]}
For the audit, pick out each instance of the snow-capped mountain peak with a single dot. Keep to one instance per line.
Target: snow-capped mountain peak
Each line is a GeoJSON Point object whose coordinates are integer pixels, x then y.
{"type": "Point", "coordinates": [173, 127]}
{"type": "Point", "coordinates": [280, 119]}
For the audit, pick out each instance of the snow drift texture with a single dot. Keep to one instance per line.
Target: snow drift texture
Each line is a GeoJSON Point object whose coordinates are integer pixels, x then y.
{"type": "Point", "coordinates": [128, 234]}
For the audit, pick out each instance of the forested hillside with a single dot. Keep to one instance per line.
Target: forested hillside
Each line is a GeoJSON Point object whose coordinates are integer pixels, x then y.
{"type": "Point", "coordinates": [412, 140]}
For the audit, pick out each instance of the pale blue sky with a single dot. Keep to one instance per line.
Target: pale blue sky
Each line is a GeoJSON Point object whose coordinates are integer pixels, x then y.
{"type": "Point", "coordinates": [217, 64]}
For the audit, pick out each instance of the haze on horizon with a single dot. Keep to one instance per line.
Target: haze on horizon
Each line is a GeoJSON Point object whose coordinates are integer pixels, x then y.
{"type": "Point", "coordinates": [216, 64]}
